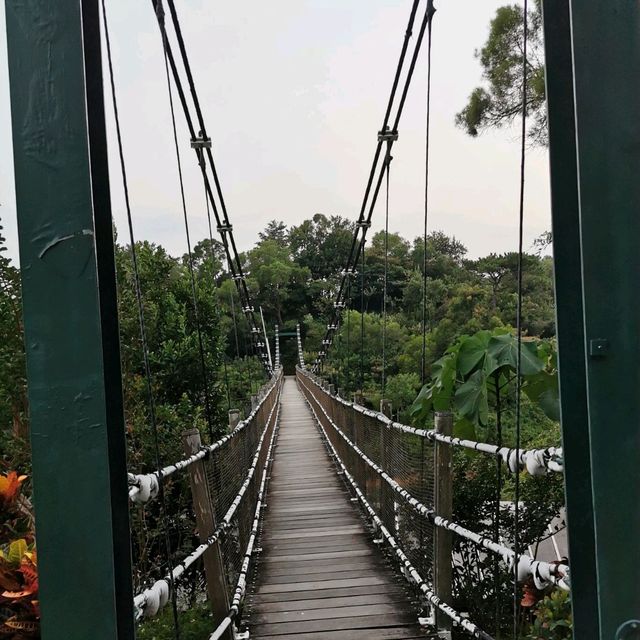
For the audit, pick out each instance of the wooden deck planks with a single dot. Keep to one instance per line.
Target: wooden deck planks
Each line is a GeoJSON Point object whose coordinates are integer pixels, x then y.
{"type": "Point", "coordinates": [318, 575]}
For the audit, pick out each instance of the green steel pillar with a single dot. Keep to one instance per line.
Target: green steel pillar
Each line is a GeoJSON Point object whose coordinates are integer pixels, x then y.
{"type": "Point", "coordinates": [70, 316]}
{"type": "Point", "coordinates": [606, 59]}
{"type": "Point", "coordinates": [569, 316]}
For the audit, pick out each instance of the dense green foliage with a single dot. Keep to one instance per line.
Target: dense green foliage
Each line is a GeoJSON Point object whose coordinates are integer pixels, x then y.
{"type": "Point", "coordinates": [499, 101]}
{"type": "Point", "coordinates": [293, 276]}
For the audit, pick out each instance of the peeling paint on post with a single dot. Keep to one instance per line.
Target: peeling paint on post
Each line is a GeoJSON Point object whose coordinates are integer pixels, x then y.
{"type": "Point", "coordinates": [70, 316]}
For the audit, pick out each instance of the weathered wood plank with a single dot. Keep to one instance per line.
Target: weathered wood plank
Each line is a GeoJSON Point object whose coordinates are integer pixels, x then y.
{"type": "Point", "coordinates": [318, 575]}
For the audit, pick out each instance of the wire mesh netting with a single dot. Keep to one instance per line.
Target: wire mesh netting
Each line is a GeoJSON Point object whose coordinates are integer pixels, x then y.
{"type": "Point", "coordinates": [236, 466]}
{"type": "Point", "coordinates": [407, 459]}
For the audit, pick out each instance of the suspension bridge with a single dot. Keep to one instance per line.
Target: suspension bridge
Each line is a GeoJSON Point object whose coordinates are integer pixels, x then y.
{"type": "Point", "coordinates": [318, 517]}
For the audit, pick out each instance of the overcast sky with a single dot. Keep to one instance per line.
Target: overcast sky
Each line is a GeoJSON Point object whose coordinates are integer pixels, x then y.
{"type": "Point", "coordinates": [294, 92]}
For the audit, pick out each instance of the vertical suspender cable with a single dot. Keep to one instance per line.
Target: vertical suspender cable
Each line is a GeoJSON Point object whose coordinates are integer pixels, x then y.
{"type": "Point", "coordinates": [364, 242]}
{"type": "Point", "coordinates": [347, 383]}
{"type": "Point", "coordinates": [143, 330]}
{"type": "Point", "coordinates": [383, 384]}
{"type": "Point", "coordinates": [194, 293]}
{"type": "Point", "coordinates": [235, 326]}
{"type": "Point", "coordinates": [523, 143]}
{"type": "Point", "coordinates": [423, 361]}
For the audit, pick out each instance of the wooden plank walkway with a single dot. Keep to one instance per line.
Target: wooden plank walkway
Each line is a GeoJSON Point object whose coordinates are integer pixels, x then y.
{"type": "Point", "coordinates": [318, 575]}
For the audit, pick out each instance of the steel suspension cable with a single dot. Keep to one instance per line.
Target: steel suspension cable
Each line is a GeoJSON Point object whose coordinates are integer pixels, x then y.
{"type": "Point", "coordinates": [523, 154]}
{"type": "Point", "coordinates": [194, 95]}
{"type": "Point", "coordinates": [224, 227]}
{"type": "Point", "coordinates": [423, 362]}
{"type": "Point", "coordinates": [194, 294]}
{"type": "Point", "coordinates": [141, 321]}
{"type": "Point", "coordinates": [383, 385]}
{"type": "Point", "coordinates": [387, 133]}
{"type": "Point", "coordinates": [362, 322]}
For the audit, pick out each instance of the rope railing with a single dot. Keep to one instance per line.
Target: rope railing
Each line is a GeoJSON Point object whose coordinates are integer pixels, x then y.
{"type": "Point", "coordinates": [300, 351]}
{"type": "Point", "coordinates": [146, 486]}
{"type": "Point", "coordinates": [152, 600]}
{"type": "Point", "coordinates": [535, 461]}
{"type": "Point", "coordinates": [544, 574]}
{"type": "Point", "coordinates": [276, 361]}
{"type": "Point", "coordinates": [409, 570]}
{"type": "Point", "coordinates": [241, 584]}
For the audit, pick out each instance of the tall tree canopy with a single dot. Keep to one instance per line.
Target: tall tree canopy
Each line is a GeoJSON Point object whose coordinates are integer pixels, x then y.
{"type": "Point", "coordinates": [498, 101]}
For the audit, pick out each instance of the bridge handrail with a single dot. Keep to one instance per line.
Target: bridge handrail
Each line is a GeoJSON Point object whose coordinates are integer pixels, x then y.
{"type": "Point", "coordinates": [543, 573]}
{"type": "Point", "coordinates": [146, 486]}
{"type": "Point", "coordinates": [410, 571]}
{"type": "Point", "coordinates": [151, 600]}
{"type": "Point", "coordinates": [535, 461]}
{"type": "Point", "coordinates": [241, 583]}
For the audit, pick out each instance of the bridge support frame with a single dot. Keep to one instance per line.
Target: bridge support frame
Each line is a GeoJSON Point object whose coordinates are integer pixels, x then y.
{"type": "Point", "coordinates": [593, 62]}
{"type": "Point", "coordinates": [70, 320]}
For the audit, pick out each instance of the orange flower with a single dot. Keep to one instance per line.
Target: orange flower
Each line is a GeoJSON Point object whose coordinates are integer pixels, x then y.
{"type": "Point", "coordinates": [10, 486]}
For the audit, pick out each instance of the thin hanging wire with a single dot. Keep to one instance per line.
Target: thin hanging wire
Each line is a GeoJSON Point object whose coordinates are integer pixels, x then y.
{"type": "Point", "coordinates": [226, 379]}
{"type": "Point", "coordinates": [523, 154]}
{"type": "Point", "coordinates": [362, 319]}
{"type": "Point", "coordinates": [383, 385]}
{"type": "Point", "coordinates": [143, 329]}
{"type": "Point", "coordinates": [348, 367]}
{"type": "Point", "coordinates": [203, 362]}
{"type": "Point", "coordinates": [497, 512]}
{"type": "Point", "coordinates": [213, 272]}
{"type": "Point", "coordinates": [423, 361]}
{"type": "Point", "coordinates": [235, 326]}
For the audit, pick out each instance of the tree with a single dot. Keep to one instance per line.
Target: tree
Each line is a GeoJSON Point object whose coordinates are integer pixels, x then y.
{"type": "Point", "coordinates": [13, 392]}
{"type": "Point", "coordinates": [499, 101]}
{"type": "Point", "coordinates": [322, 244]}
{"type": "Point", "coordinates": [273, 277]}
{"type": "Point", "coordinates": [275, 230]}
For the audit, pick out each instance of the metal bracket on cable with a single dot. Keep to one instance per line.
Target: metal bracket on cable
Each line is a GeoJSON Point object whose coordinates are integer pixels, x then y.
{"type": "Point", "coordinates": [351, 271]}
{"type": "Point", "coordinates": [363, 224]}
{"type": "Point", "coordinates": [201, 142]}
{"type": "Point", "coordinates": [332, 327]}
{"type": "Point", "coordinates": [248, 309]}
{"type": "Point", "coordinates": [387, 136]}
{"type": "Point", "coordinates": [225, 228]}
{"type": "Point", "coordinates": [339, 305]}
{"type": "Point", "coordinates": [326, 342]}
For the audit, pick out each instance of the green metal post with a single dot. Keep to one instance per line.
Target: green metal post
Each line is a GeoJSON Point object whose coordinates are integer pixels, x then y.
{"type": "Point", "coordinates": [70, 315]}
{"type": "Point", "coordinates": [606, 58]}
{"type": "Point", "coordinates": [569, 316]}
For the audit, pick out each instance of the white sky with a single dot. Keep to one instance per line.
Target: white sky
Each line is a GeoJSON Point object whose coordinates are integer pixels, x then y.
{"type": "Point", "coordinates": [294, 92]}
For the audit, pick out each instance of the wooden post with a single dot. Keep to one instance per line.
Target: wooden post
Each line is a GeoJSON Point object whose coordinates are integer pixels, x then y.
{"type": "Point", "coordinates": [442, 572]}
{"type": "Point", "coordinates": [234, 419]}
{"type": "Point", "coordinates": [206, 522]}
{"type": "Point", "coordinates": [386, 407]}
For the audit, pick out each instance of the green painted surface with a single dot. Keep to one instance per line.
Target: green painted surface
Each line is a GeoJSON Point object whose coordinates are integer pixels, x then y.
{"type": "Point", "coordinates": [606, 48]}
{"type": "Point", "coordinates": [74, 381]}
{"type": "Point", "coordinates": [569, 316]}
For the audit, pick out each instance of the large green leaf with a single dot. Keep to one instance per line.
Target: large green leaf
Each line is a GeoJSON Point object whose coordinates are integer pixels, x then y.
{"type": "Point", "coordinates": [504, 351]}
{"type": "Point", "coordinates": [465, 429]}
{"type": "Point", "coordinates": [473, 350]}
{"type": "Point", "coordinates": [444, 377]}
{"type": "Point", "coordinates": [471, 398]}
{"type": "Point", "coordinates": [543, 389]}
